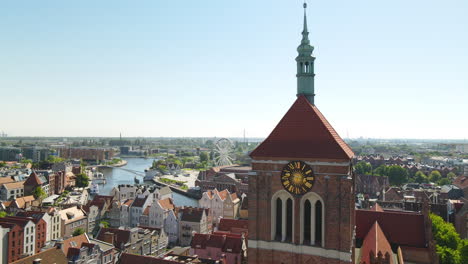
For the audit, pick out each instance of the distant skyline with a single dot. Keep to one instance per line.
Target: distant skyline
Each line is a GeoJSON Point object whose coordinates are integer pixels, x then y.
{"type": "Point", "coordinates": [384, 69]}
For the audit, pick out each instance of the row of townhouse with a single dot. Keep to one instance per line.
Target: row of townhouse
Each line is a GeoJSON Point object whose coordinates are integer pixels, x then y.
{"type": "Point", "coordinates": [130, 202]}
{"type": "Point", "coordinates": [29, 231]}
{"type": "Point", "coordinates": [136, 240]}
{"type": "Point", "coordinates": [125, 192]}
{"type": "Point", "coordinates": [222, 204]}
{"type": "Point", "coordinates": [51, 183]}
{"type": "Point", "coordinates": [75, 250]}
{"type": "Point", "coordinates": [146, 210]}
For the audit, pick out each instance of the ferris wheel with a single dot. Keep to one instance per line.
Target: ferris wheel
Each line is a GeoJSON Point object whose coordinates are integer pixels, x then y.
{"type": "Point", "coordinates": [223, 151]}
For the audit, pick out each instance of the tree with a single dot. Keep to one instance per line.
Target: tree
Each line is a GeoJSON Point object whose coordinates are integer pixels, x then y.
{"type": "Point", "coordinates": [448, 255]}
{"type": "Point", "coordinates": [381, 170]}
{"type": "Point", "coordinates": [397, 175]}
{"type": "Point", "coordinates": [363, 167]}
{"type": "Point", "coordinates": [2, 164]}
{"type": "Point", "coordinates": [39, 193]}
{"type": "Point", "coordinates": [420, 177]}
{"type": "Point", "coordinates": [204, 156]}
{"type": "Point", "coordinates": [82, 180]}
{"type": "Point", "coordinates": [451, 175]}
{"type": "Point", "coordinates": [449, 247]}
{"type": "Point", "coordinates": [104, 224]}
{"type": "Point", "coordinates": [78, 231]}
{"type": "Point", "coordinates": [3, 214]}
{"type": "Point", "coordinates": [464, 252]}
{"type": "Point", "coordinates": [443, 181]}
{"type": "Point", "coordinates": [434, 176]}
{"type": "Point", "coordinates": [54, 159]}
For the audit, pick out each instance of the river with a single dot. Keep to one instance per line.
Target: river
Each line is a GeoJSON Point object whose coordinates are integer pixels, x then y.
{"type": "Point", "coordinates": [116, 176]}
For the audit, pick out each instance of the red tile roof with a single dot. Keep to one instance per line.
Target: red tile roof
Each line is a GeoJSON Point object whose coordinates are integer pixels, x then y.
{"type": "Point", "coordinates": [128, 202]}
{"type": "Point", "coordinates": [120, 235]}
{"type": "Point", "coordinates": [199, 240]}
{"type": "Point", "coordinates": [73, 251]}
{"type": "Point", "coordinates": [461, 182]}
{"type": "Point", "coordinates": [401, 228]}
{"type": "Point", "coordinates": [375, 242]}
{"type": "Point", "coordinates": [139, 201]}
{"type": "Point", "coordinates": [232, 245]}
{"type": "Point", "coordinates": [4, 180]}
{"type": "Point", "coordinates": [52, 255]}
{"type": "Point", "coordinates": [376, 208]}
{"type": "Point", "coordinates": [191, 214]}
{"type": "Point", "coordinates": [167, 204]}
{"type": "Point", "coordinates": [21, 221]}
{"type": "Point", "coordinates": [229, 224]}
{"type": "Point", "coordinates": [215, 241]}
{"type": "Point", "coordinates": [226, 242]}
{"type": "Point", "coordinates": [170, 259]}
{"type": "Point", "coordinates": [303, 133]}
{"type": "Point", "coordinates": [73, 242]}
{"type": "Point", "coordinates": [33, 180]}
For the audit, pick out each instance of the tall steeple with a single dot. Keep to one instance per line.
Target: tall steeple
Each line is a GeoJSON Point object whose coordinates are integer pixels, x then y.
{"type": "Point", "coordinates": [305, 64]}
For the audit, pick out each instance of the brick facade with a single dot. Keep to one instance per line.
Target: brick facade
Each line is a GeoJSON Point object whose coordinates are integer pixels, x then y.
{"type": "Point", "coordinates": [338, 196]}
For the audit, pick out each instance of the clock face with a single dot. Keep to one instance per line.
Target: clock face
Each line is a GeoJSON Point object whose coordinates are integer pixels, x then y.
{"type": "Point", "coordinates": [297, 177]}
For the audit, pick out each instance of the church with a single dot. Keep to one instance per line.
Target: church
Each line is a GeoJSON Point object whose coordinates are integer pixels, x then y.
{"type": "Point", "coordinates": [301, 187]}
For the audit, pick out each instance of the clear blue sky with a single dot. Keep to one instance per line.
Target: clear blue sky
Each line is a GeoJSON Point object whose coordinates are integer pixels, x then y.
{"type": "Point", "coordinates": [385, 69]}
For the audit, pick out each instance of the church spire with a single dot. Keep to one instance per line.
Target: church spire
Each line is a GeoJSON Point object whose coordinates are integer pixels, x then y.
{"type": "Point", "coordinates": [305, 64]}
{"type": "Point", "coordinates": [305, 32]}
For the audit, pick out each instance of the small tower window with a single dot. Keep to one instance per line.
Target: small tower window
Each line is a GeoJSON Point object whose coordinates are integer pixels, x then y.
{"type": "Point", "coordinates": [279, 219]}
{"type": "Point", "coordinates": [307, 219]}
{"type": "Point", "coordinates": [289, 216]}
{"type": "Point", "coordinates": [318, 223]}
{"type": "Point", "coordinates": [306, 67]}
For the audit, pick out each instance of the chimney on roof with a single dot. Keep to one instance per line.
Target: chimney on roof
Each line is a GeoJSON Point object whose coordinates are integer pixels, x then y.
{"type": "Point", "coordinates": [108, 237]}
{"type": "Point", "coordinates": [37, 261]}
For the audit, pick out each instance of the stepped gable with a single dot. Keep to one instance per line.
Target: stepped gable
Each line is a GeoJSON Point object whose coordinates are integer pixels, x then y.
{"type": "Point", "coordinates": [374, 243]}
{"type": "Point", "coordinates": [303, 133]}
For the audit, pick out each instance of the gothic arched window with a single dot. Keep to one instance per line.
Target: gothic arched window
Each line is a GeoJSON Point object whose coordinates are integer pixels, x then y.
{"type": "Point", "coordinates": [312, 220]}
{"type": "Point", "coordinates": [289, 216]}
{"type": "Point", "coordinates": [279, 219]}
{"type": "Point", "coordinates": [282, 216]}
{"type": "Point", "coordinates": [307, 222]}
{"type": "Point", "coordinates": [318, 223]}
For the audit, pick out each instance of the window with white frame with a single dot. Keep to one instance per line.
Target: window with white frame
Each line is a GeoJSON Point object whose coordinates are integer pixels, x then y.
{"type": "Point", "coordinates": [282, 217]}
{"type": "Point", "coordinates": [312, 220]}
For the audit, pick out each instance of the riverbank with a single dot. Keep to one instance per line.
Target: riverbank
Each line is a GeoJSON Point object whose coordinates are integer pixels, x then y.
{"type": "Point", "coordinates": [178, 190]}
{"type": "Point", "coordinates": [121, 163]}
{"type": "Point", "coordinates": [126, 175]}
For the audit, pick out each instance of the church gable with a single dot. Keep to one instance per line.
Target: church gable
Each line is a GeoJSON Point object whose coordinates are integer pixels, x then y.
{"type": "Point", "coordinates": [303, 133]}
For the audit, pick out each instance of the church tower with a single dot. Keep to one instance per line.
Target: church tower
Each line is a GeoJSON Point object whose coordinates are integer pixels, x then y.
{"type": "Point", "coordinates": [301, 187]}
